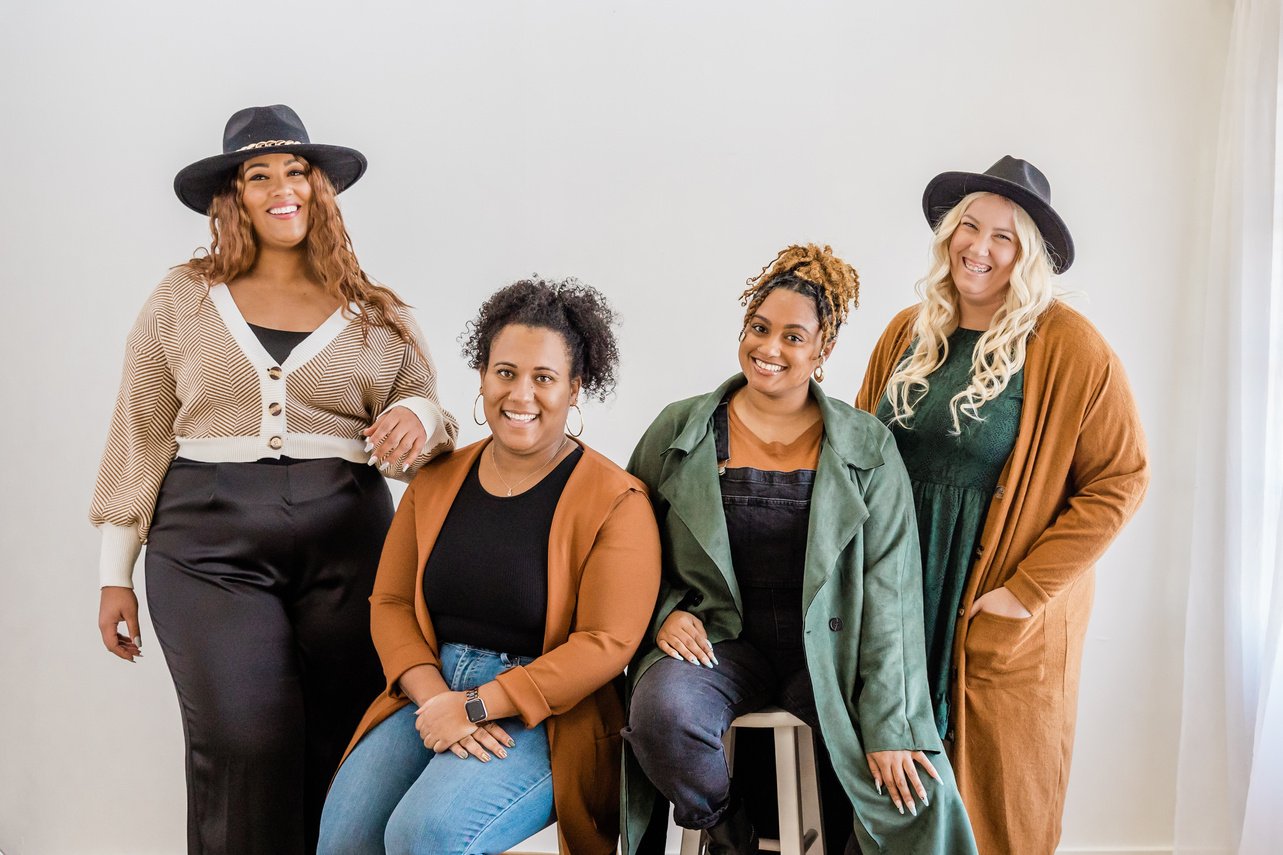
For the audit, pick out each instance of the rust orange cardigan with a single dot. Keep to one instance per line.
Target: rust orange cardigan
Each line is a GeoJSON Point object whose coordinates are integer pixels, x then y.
{"type": "Point", "coordinates": [603, 577]}
{"type": "Point", "coordinates": [1076, 474]}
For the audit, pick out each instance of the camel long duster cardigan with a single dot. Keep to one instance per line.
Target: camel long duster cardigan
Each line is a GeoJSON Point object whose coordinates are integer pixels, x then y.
{"type": "Point", "coordinates": [1076, 474]}
{"type": "Point", "coordinates": [603, 577]}
{"type": "Point", "coordinates": [861, 601]}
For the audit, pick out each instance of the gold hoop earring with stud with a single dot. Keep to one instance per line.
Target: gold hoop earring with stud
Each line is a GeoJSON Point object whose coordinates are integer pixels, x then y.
{"type": "Point", "coordinates": [474, 411]}
{"type": "Point", "coordinates": [579, 432]}
{"type": "Point", "coordinates": [818, 374]}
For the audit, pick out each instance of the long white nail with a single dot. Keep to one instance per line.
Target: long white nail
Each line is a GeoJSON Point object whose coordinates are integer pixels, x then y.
{"type": "Point", "coordinates": [138, 641]}
{"type": "Point", "coordinates": [405, 467]}
{"type": "Point", "coordinates": [879, 784]}
{"type": "Point", "coordinates": [901, 807]}
{"type": "Point", "coordinates": [369, 446]}
{"type": "Point", "coordinates": [912, 809]}
{"type": "Point", "coordinates": [925, 803]}
{"type": "Point", "coordinates": [373, 459]}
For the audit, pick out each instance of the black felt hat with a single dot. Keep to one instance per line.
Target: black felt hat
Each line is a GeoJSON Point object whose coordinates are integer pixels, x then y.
{"type": "Point", "coordinates": [263, 130]}
{"type": "Point", "coordinates": [1018, 180]}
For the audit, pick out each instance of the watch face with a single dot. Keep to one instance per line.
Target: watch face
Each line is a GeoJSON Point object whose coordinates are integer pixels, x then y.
{"type": "Point", "coordinates": [476, 710]}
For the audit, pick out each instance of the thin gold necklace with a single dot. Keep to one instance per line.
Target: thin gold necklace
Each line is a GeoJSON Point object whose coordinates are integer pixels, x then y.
{"type": "Point", "coordinates": [494, 461]}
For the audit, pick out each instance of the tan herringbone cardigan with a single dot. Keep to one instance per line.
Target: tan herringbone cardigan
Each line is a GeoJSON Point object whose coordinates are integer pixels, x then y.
{"type": "Point", "coordinates": [198, 383]}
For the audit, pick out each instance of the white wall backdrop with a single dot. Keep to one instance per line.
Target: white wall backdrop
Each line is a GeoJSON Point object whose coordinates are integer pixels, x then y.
{"type": "Point", "coordinates": [660, 151]}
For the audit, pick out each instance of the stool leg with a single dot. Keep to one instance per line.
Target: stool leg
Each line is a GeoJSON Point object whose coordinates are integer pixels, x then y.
{"type": "Point", "coordinates": [692, 841]}
{"type": "Point", "coordinates": [791, 840]}
{"type": "Point", "coordinates": [812, 818]}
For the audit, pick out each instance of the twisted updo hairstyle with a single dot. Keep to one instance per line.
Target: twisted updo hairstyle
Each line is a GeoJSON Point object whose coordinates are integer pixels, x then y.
{"type": "Point", "coordinates": [577, 311]}
{"type": "Point", "coordinates": [812, 271]}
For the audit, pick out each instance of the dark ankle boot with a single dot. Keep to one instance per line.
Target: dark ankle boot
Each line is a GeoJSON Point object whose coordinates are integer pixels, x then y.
{"type": "Point", "coordinates": [735, 834]}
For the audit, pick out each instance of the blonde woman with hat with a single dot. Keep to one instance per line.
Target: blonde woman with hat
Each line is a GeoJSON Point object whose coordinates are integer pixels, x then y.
{"type": "Point", "coordinates": [264, 382]}
{"type": "Point", "coordinates": [1026, 454]}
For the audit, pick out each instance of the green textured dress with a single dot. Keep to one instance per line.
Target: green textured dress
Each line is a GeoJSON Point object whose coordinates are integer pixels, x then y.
{"type": "Point", "coordinates": [953, 478]}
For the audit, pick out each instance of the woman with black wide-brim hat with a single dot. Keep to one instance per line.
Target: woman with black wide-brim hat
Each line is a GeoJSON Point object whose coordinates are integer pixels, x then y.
{"type": "Point", "coordinates": [264, 381]}
{"type": "Point", "coordinates": [1027, 457]}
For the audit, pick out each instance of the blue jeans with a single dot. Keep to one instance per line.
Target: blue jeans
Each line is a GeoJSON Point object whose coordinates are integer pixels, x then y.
{"type": "Point", "coordinates": [394, 795]}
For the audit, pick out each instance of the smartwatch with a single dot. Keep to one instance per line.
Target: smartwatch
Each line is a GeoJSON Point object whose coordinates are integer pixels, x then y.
{"type": "Point", "coordinates": [474, 706]}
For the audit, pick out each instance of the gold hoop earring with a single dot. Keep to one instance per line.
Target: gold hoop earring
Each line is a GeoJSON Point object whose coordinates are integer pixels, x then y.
{"type": "Point", "coordinates": [818, 374]}
{"type": "Point", "coordinates": [579, 432]}
{"type": "Point", "coordinates": [474, 411]}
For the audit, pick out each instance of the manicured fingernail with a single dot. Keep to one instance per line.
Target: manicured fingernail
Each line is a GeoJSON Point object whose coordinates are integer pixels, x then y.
{"type": "Point", "coordinates": [503, 755]}
{"type": "Point", "coordinates": [708, 664]}
{"type": "Point", "coordinates": [879, 785]}
{"type": "Point", "coordinates": [693, 661]}
{"type": "Point", "coordinates": [405, 467]}
{"type": "Point", "coordinates": [373, 459]}
{"type": "Point", "coordinates": [485, 758]}
{"type": "Point", "coordinates": [385, 466]}
{"type": "Point", "coordinates": [925, 803]}
{"type": "Point", "coordinates": [901, 807]}
{"type": "Point", "coordinates": [138, 641]}
{"type": "Point", "coordinates": [913, 809]}
{"type": "Point", "coordinates": [715, 662]}
{"type": "Point", "coordinates": [512, 743]}
{"type": "Point", "coordinates": [369, 446]}
{"type": "Point", "coordinates": [677, 656]}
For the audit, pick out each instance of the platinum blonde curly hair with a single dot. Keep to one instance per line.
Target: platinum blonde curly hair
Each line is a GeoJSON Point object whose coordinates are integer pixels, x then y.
{"type": "Point", "coordinates": [1000, 352]}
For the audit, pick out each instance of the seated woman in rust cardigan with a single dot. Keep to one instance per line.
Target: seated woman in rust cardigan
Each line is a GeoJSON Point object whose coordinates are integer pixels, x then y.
{"type": "Point", "coordinates": [517, 580]}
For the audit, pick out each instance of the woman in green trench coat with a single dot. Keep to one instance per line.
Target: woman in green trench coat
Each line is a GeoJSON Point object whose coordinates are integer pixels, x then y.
{"type": "Point", "coordinates": [852, 659]}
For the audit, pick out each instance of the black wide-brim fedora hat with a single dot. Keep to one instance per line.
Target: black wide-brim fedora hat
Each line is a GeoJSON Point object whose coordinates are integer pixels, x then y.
{"type": "Point", "coordinates": [263, 130]}
{"type": "Point", "coordinates": [1018, 180]}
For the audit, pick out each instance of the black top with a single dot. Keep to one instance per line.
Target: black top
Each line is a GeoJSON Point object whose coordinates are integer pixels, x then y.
{"type": "Point", "coordinates": [279, 343]}
{"type": "Point", "coordinates": [486, 581]}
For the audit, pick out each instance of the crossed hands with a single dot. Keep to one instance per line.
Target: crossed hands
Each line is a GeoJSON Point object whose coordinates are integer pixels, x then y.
{"type": "Point", "coordinates": [443, 724]}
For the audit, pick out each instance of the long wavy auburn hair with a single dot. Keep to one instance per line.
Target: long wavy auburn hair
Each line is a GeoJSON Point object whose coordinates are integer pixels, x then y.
{"type": "Point", "coordinates": [233, 250]}
{"type": "Point", "coordinates": [1000, 352]}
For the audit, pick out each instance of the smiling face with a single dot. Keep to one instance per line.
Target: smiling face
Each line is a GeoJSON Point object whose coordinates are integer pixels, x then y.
{"type": "Point", "coordinates": [982, 253]}
{"type": "Point", "coordinates": [527, 390]}
{"type": "Point", "coordinates": [781, 345]}
{"type": "Point", "coordinates": [277, 195]}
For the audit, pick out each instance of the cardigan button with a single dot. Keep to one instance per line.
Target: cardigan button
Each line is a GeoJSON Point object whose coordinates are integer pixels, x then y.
{"type": "Point", "coordinates": [962, 612]}
{"type": "Point", "coordinates": [274, 372]}
{"type": "Point", "coordinates": [274, 408]}
{"type": "Point", "coordinates": [275, 443]}
{"type": "Point", "coordinates": [999, 491]}
{"type": "Point", "coordinates": [836, 624]}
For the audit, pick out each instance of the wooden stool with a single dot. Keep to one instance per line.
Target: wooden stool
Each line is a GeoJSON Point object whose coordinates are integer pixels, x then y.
{"type": "Point", "coordinates": [795, 778]}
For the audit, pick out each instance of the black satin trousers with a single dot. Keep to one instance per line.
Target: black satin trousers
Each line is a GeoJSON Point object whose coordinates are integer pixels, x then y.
{"type": "Point", "coordinates": [258, 579]}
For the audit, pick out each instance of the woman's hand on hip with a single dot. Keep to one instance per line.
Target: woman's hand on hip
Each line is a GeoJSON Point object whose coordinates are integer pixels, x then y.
{"type": "Point", "coordinates": [395, 439]}
{"type": "Point", "coordinates": [1000, 602]}
{"type": "Point", "coordinates": [682, 636]}
{"type": "Point", "coordinates": [117, 605]}
{"type": "Point", "coordinates": [896, 771]}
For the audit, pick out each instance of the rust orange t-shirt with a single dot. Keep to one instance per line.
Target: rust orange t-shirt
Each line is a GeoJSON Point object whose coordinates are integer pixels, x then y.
{"type": "Point", "coordinates": [749, 451]}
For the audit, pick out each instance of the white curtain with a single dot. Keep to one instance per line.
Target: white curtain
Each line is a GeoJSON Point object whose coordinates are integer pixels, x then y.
{"type": "Point", "coordinates": [1230, 767]}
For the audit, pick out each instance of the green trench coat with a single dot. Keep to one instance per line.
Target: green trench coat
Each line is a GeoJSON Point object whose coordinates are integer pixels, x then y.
{"type": "Point", "coordinates": [862, 601]}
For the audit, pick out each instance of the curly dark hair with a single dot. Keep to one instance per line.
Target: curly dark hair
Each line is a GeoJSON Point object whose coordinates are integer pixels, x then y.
{"type": "Point", "coordinates": [577, 311]}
